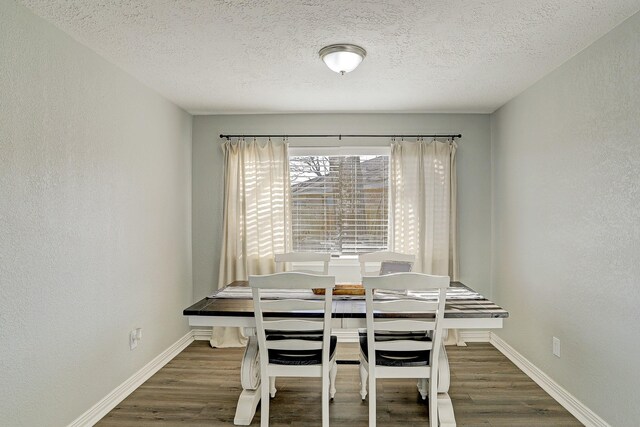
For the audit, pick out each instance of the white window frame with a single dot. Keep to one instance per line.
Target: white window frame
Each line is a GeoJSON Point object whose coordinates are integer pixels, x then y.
{"type": "Point", "coordinates": [349, 261]}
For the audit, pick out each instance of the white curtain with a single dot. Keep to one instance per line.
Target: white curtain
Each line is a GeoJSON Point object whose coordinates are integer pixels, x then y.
{"type": "Point", "coordinates": [257, 216]}
{"type": "Point", "coordinates": [423, 204]}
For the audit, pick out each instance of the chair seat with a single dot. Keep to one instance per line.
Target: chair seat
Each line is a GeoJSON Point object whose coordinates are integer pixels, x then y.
{"type": "Point", "coordinates": [397, 358]}
{"type": "Point", "coordinates": [299, 357]}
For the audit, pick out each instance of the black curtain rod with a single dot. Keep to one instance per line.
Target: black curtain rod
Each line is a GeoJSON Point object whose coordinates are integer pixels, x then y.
{"type": "Point", "coordinates": [459, 135]}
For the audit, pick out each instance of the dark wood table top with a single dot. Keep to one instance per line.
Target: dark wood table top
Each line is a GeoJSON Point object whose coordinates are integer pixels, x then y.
{"type": "Point", "coordinates": [462, 302]}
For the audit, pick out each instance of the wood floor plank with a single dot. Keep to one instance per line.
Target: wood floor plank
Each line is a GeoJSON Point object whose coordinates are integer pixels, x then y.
{"type": "Point", "coordinates": [201, 385]}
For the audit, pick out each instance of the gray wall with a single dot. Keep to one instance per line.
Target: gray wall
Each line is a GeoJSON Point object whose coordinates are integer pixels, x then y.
{"type": "Point", "coordinates": [474, 188]}
{"type": "Point", "coordinates": [95, 222]}
{"type": "Point", "coordinates": [566, 214]}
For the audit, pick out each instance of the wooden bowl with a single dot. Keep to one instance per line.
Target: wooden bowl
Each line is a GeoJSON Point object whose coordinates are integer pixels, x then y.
{"type": "Point", "coordinates": [344, 289]}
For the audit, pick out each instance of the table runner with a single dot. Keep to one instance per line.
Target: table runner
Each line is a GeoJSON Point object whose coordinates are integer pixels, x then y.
{"type": "Point", "coordinates": [244, 292]}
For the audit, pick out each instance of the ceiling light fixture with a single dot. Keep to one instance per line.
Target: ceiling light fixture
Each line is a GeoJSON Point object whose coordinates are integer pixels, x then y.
{"type": "Point", "coordinates": [342, 58]}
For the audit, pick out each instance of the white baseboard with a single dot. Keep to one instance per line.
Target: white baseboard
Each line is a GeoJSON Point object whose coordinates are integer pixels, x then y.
{"type": "Point", "coordinates": [110, 401]}
{"type": "Point", "coordinates": [585, 415]}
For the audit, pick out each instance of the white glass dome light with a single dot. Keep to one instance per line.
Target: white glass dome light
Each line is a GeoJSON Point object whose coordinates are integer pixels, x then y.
{"type": "Point", "coordinates": [342, 58]}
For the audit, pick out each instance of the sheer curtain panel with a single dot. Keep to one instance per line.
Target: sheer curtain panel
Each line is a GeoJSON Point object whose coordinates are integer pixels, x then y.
{"type": "Point", "coordinates": [423, 205]}
{"type": "Point", "coordinates": [256, 222]}
{"type": "Point", "coordinates": [423, 208]}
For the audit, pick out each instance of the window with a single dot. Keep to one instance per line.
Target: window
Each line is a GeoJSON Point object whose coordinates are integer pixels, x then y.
{"type": "Point", "coordinates": [340, 201]}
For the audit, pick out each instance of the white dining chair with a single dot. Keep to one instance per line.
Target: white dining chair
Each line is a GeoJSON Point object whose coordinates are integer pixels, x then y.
{"type": "Point", "coordinates": [409, 352]}
{"type": "Point", "coordinates": [377, 258]}
{"type": "Point", "coordinates": [302, 262]}
{"type": "Point", "coordinates": [305, 262]}
{"type": "Point", "coordinates": [292, 340]}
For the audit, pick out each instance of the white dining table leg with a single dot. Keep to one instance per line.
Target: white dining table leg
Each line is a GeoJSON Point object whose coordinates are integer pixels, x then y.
{"type": "Point", "coordinates": [250, 380]}
{"type": "Point", "coordinates": [445, 408]}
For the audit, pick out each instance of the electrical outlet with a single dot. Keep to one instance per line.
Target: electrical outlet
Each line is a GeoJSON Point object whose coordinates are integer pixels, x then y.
{"type": "Point", "coordinates": [133, 339]}
{"type": "Point", "coordinates": [556, 347]}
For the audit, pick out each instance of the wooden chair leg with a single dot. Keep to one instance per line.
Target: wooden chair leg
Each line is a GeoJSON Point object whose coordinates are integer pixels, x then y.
{"type": "Point", "coordinates": [332, 377]}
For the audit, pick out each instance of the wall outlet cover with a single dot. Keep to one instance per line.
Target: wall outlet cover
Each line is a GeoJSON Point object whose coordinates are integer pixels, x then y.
{"type": "Point", "coordinates": [133, 340]}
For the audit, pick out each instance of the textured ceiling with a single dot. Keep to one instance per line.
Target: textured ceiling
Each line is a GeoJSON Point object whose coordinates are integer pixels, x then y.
{"type": "Point", "coordinates": [250, 56]}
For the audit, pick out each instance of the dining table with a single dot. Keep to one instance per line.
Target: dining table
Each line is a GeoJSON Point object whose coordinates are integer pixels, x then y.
{"type": "Point", "coordinates": [233, 306]}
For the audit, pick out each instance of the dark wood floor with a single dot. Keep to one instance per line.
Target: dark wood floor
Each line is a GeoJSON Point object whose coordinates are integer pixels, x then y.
{"type": "Point", "coordinates": [200, 387]}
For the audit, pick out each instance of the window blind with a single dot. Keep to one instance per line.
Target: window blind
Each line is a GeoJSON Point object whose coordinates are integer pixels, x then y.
{"type": "Point", "coordinates": [340, 203]}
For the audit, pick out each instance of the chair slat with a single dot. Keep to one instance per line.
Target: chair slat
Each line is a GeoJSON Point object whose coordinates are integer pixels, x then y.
{"type": "Point", "coordinates": [407, 281]}
{"type": "Point", "coordinates": [404, 345]}
{"type": "Point", "coordinates": [292, 280]}
{"type": "Point", "coordinates": [378, 258]}
{"type": "Point", "coordinates": [294, 344]}
{"type": "Point", "coordinates": [289, 259]}
{"type": "Point", "coordinates": [385, 256]}
{"type": "Point", "coordinates": [404, 325]}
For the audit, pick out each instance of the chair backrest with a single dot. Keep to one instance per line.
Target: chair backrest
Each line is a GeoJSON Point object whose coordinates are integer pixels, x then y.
{"type": "Point", "coordinates": [422, 311]}
{"type": "Point", "coordinates": [309, 260]}
{"type": "Point", "coordinates": [376, 258]}
{"type": "Point", "coordinates": [292, 315]}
